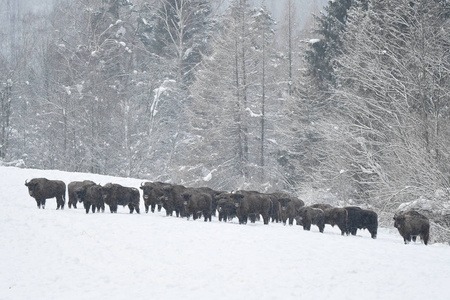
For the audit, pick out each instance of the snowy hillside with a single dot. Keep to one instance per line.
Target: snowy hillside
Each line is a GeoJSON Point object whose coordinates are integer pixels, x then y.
{"type": "Point", "coordinates": [50, 254]}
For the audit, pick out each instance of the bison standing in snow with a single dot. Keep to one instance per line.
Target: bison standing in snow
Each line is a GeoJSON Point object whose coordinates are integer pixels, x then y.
{"type": "Point", "coordinates": [93, 196]}
{"type": "Point", "coordinates": [337, 216]}
{"type": "Point", "coordinates": [152, 193]}
{"type": "Point", "coordinates": [252, 204]}
{"type": "Point", "coordinates": [173, 199]}
{"type": "Point", "coordinates": [359, 218]}
{"type": "Point", "coordinates": [42, 189]}
{"type": "Point", "coordinates": [114, 194]}
{"type": "Point", "coordinates": [289, 208]}
{"type": "Point", "coordinates": [197, 203]}
{"type": "Point", "coordinates": [411, 224]}
{"type": "Point", "coordinates": [73, 188]}
{"type": "Point", "coordinates": [226, 207]}
{"type": "Point", "coordinates": [308, 216]}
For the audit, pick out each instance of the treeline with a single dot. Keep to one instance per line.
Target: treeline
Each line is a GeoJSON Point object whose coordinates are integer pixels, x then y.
{"type": "Point", "coordinates": [172, 90]}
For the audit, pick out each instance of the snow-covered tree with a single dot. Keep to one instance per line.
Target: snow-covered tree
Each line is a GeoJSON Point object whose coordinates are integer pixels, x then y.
{"type": "Point", "coordinates": [393, 82]}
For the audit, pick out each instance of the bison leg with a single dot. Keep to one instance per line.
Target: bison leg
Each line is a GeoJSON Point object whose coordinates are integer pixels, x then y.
{"type": "Point", "coordinates": [321, 227]}
{"type": "Point", "coordinates": [131, 207]}
{"type": "Point", "coordinates": [43, 203]}
{"type": "Point", "coordinates": [291, 221]}
{"type": "Point", "coordinates": [59, 202]}
{"type": "Point", "coordinates": [147, 208]}
{"type": "Point", "coordinates": [343, 229]}
{"type": "Point", "coordinates": [153, 206]}
{"type": "Point", "coordinates": [424, 237]}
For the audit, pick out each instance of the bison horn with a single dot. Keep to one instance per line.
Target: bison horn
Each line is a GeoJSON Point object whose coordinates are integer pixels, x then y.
{"type": "Point", "coordinates": [142, 183]}
{"type": "Point", "coordinates": [26, 181]}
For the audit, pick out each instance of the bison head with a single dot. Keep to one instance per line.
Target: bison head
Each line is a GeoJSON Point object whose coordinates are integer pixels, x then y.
{"type": "Point", "coordinates": [399, 220]}
{"type": "Point", "coordinates": [186, 198]}
{"type": "Point", "coordinates": [237, 199]}
{"type": "Point", "coordinates": [31, 186]}
{"type": "Point", "coordinates": [146, 189]}
{"type": "Point", "coordinates": [284, 202]}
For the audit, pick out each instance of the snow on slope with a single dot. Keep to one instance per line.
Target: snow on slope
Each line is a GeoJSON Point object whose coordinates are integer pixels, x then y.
{"type": "Point", "coordinates": [50, 254]}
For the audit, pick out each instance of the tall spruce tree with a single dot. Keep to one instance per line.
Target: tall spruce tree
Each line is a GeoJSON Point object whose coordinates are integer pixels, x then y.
{"type": "Point", "coordinates": [331, 24]}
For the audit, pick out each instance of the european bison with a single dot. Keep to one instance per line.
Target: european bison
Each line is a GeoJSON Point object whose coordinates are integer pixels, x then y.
{"type": "Point", "coordinates": [197, 203]}
{"type": "Point", "coordinates": [214, 197]}
{"type": "Point", "coordinates": [308, 216]}
{"type": "Point", "coordinates": [252, 204]}
{"type": "Point", "coordinates": [411, 224]}
{"type": "Point", "coordinates": [337, 216]}
{"type": "Point", "coordinates": [289, 208]}
{"type": "Point", "coordinates": [173, 199]}
{"type": "Point", "coordinates": [114, 194]}
{"type": "Point", "coordinates": [72, 190]}
{"type": "Point", "coordinates": [152, 193]}
{"type": "Point", "coordinates": [93, 196]}
{"type": "Point", "coordinates": [280, 201]}
{"type": "Point", "coordinates": [359, 218]}
{"type": "Point", "coordinates": [226, 207]}
{"type": "Point", "coordinates": [42, 189]}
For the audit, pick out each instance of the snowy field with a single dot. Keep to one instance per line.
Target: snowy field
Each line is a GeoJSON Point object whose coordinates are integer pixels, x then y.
{"type": "Point", "coordinates": [50, 254]}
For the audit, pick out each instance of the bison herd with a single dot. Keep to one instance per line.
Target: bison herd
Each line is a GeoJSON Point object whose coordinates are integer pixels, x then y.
{"type": "Point", "coordinates": [205, 202]}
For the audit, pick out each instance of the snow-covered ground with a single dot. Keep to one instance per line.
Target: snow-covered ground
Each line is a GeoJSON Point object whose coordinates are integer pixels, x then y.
{"type": "Point", "coordinates": [50, 254]}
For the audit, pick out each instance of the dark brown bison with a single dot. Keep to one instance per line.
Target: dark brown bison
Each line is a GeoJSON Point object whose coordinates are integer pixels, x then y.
{"type": "Point", "coordinates": [289, 208]}
{"type": "Point", "coordinates": [337, 216]}
{"type": "Point", "coordinates": [280, 201]}
{"type": "Point", "coordinates": [92, 196]}
{"type": "Point", "coordinates": [308, 216]}
{"type": "Point", "coordinates": [226, 207]}
{"type": "Point", "coordinates": [173, 200]}
{"type": "Point", "coordinates": [411, 224]}
{"type": "Point", "coordinates": [252, 204]}
{"type": "Point", "coordinates": [73, 188]}
{"type": "Point", "coordinates": [214, 197]}
{"type": "Point", "coordinates": [359, 218]}
{"type": "Point", "coordinates": [152, 193]}
{"type": "Point", "coordinates": [114, 195]}
{"type": "Point", "coordinates": [197, 203]}
{"type": "Point", "coordinates": [42, 189]}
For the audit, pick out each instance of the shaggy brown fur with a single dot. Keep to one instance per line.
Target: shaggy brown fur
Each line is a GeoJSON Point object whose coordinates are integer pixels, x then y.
{"type": "Point", "coordinates": [152, 193]}
{"type": "Point", "coordinates": [197, 203]}
{"type": "Point", "coordinates": [74, 188]}
{"type": "Point", "coordinates": [411, 224]}
{"type": "Point", "coordinates": [336, 216]}
{"type": "Point", "coordinates": [308, 216]}
{"type": "Point", "coordinates": [359, 218]}
{"type": "Point", "coordinates": [114, 195]}
{"type": "Point", "coordinates": [252, 204]}
{"type": "Point", "coordinates": [42, 189]}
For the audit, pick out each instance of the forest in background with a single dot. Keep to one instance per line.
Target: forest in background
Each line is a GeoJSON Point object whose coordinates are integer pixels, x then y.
{"type": "Point", "coordinates": [354, 108]}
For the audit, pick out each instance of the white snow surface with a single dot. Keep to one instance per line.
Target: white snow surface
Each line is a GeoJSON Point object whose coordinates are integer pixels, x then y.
{"type": "Point", "coordinates": [68, 254]}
